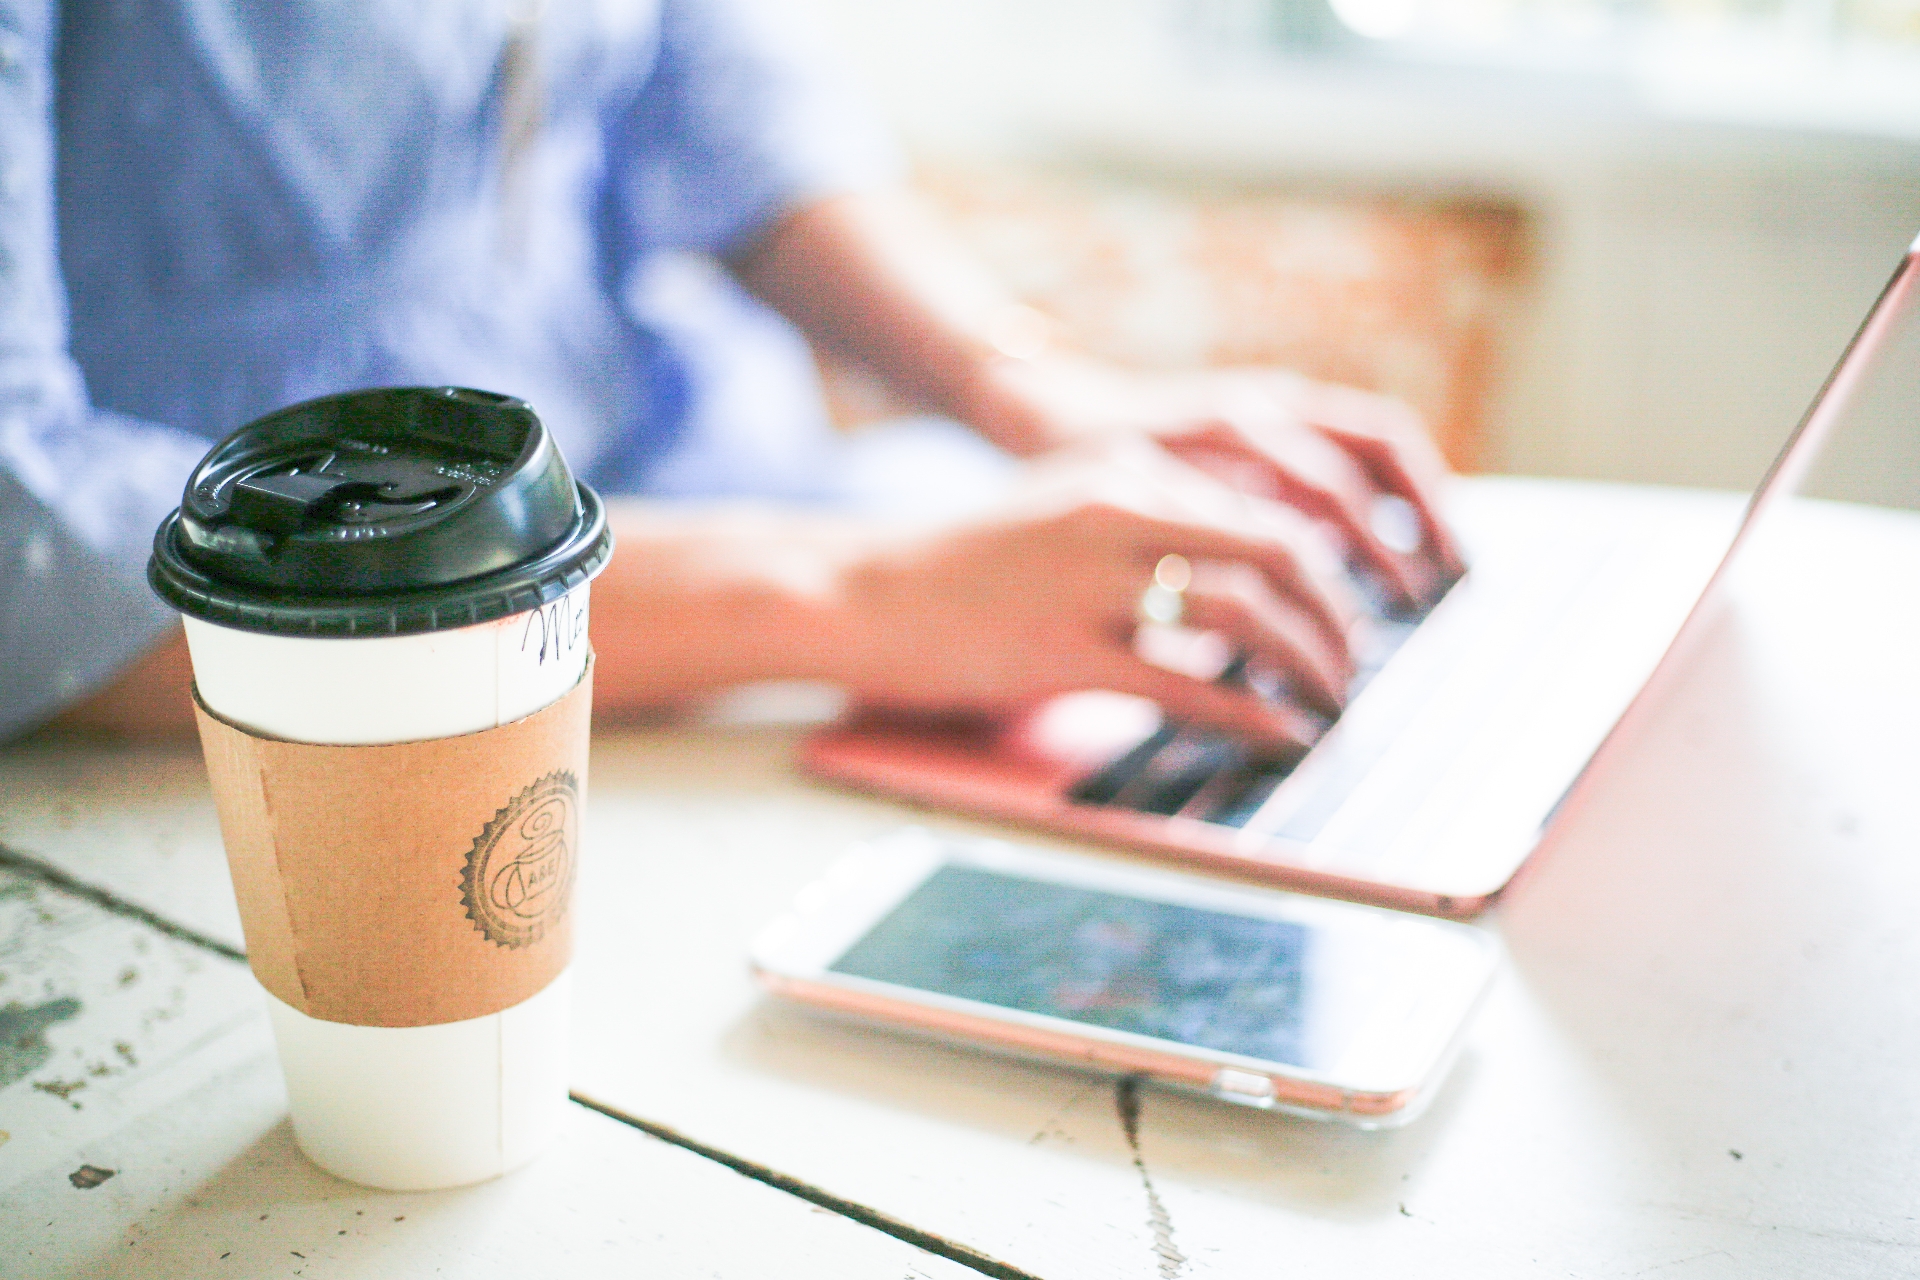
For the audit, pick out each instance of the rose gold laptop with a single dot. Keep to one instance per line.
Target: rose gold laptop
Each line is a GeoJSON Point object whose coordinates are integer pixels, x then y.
{"type": "Point", "coordinates": [1465, 728]}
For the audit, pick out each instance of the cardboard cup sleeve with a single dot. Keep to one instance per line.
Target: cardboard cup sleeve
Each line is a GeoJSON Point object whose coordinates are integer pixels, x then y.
{"type": "Point", "coordinates": [406, 885]}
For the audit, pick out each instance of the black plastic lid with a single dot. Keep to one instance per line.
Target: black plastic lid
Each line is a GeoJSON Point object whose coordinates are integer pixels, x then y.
{"type": "Point", "coordinates": [384, 512]}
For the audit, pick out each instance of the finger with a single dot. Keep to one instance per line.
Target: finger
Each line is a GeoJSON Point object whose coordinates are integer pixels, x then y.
{"type": "Point", "coordinates": [1296, 568]}
{"type": "Point", "coordinates": [1238, 605]}
{"type": "Point", "coordinates": [1386, 459]}
{"type": "Point", "coordinates": [1389, 441]}
{"type": "Point", "coordinates": [1316, 476]}
{"type": "Point", "coordinates": [1230, 709]}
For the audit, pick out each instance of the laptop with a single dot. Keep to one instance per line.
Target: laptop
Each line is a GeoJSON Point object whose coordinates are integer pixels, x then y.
{"type": "Point", "coordinates": [1465, 726]}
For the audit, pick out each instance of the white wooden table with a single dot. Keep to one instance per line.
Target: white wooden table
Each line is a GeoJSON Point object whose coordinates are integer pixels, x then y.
{"type": "Point", "coordinates": [143, 1133]}
{"type": "Point", "coordinates": [1698, 1062]}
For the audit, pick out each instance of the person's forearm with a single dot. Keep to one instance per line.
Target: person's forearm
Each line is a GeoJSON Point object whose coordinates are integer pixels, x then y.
{"type": "Point", "coordinates": [871, 279]}
{"type": "Point", "coordinates": [697, 599]}
{"type": "Point", "coordinates": [693, 601]}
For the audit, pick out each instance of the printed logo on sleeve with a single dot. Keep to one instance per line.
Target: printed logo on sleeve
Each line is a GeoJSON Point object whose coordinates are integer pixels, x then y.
{"type": "Point", "coordinates": [519, 874]}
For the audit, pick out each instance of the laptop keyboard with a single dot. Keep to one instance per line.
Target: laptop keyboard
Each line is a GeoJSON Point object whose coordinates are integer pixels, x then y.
{"type": "Point", "coordinates": [1207, 775]}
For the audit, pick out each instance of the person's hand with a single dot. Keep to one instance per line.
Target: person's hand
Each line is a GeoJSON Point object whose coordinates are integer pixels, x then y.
{"type": "Point", "coordinates": [1041, 598]}
{"type": "Point", "coordinates": [871, 278]}
{"type": "Point", "coordinates": [1361, 462]}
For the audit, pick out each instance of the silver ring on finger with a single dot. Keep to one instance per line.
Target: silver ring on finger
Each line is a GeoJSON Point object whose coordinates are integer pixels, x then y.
{"type": "Point", "coordinates": [1165, 599]}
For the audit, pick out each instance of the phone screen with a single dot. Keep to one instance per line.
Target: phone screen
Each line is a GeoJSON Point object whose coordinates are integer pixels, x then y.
{"type": "Point", "coordinates": [1210, 979]}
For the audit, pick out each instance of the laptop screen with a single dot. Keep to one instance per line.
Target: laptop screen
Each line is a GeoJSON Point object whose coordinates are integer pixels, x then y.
{"type": "Point", "coordinates": [1871, 453]}
{"type": "Point", "coordinates": [1859, 442]}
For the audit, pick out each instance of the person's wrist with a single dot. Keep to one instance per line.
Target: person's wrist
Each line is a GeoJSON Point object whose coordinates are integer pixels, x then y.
{"type": "Point", "coordinates": [1059, 398]}
{"type": "Point", "coordinates": [851, 635]}
{"type": "Point", "coordinates": [998, 387]}
{"type": "Point", "coordinates": [834, 621]}
{"type": "Point", "coordinates": [702, 600]}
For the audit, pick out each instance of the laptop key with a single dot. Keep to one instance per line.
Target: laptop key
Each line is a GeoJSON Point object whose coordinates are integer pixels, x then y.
{"type": "Point", "coordinates": [1178, 771]}
{"type": "Point", "coordinates": [1210, 775]}
{"type": "Point", "coordinates": [1110, 784]}
{"type": "Point", "coordinates": [1103, 785]}
{"type": "Point", "coordinates": [1238, 795]}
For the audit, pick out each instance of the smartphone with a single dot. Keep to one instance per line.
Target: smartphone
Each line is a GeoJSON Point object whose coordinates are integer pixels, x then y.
{"type": "Point", "coordinates": [1252, 996]}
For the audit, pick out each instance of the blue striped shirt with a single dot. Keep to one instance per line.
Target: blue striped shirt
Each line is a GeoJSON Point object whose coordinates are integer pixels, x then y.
{"type": "Point", "coordinates": [260, 203]}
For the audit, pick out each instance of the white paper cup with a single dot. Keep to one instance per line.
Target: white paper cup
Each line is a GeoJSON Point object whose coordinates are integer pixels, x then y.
{"type": "Point", "coordinates": [410, 1108]}
{"type": "Point", "coordinates": [357, 571]}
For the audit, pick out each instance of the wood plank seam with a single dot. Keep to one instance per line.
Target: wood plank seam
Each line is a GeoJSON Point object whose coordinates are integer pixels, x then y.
{"type": "Point", "coordinates": [948, 1249]}
{"type": "Point", "coordinates": [1167, 1256]}
{"type": "Point", "coordinates": [54, 878]}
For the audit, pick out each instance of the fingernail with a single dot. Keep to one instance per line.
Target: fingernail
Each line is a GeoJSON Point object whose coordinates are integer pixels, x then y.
{"type": "Point", "coordinates": [1396, 523]}
{"type": "Point", "coordinates": [1358, 633]}
{"type": "Point", "coordinates": [1298, 730]}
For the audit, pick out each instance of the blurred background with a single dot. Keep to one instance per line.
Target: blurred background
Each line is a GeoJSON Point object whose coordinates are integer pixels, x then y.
{"type": "Point", "coordinates": [1617, 239]}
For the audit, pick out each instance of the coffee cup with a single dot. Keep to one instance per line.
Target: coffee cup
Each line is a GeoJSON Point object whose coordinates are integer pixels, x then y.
{"type": "Point", "coordinates": [386, 597]}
